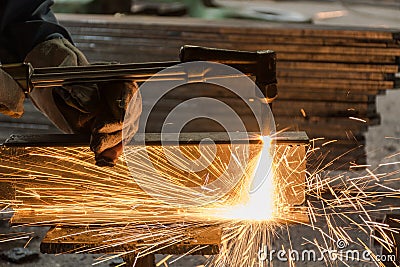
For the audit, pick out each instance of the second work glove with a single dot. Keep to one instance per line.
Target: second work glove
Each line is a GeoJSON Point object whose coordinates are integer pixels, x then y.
{"type": "Point", "coordinates": [95, 109]}
{"type": "Point", "coordinates": [11, 96]}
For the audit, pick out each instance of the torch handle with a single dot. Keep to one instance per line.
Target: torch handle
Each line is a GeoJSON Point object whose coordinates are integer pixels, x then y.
{"type": "Point", "coordinates": [261, 64]}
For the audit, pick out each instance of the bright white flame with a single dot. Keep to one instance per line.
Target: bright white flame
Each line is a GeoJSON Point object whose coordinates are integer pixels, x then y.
{"type": "Point", "coordinates": [258, 204]}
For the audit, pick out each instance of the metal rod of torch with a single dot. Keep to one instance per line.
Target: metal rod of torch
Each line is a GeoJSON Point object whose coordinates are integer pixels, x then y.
{"type": "Point", "coordinates": [260, 64]}
{"type": "Point", "coordinates": [50, 77]}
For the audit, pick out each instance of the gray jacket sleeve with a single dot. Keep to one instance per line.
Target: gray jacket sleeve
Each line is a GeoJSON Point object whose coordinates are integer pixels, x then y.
{"type": "Point", "coordinates": [23, 25]}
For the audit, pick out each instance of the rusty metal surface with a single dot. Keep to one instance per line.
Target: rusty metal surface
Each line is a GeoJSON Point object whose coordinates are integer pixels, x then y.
{"type": "Point", "coordinates": [299, 137]}
{"type": "Point", "coordinates": [47, 140]}
{"type": "Point", "coordinates": [199, 241]}
{"type": "Point", "coordinates": [21, 164]}
{"type": "Point", "coordinates": [24, 157]}
{"type": "Point", "coordinates": [72, 140]}
{"type": "Point", "coordinates": [291, 174]}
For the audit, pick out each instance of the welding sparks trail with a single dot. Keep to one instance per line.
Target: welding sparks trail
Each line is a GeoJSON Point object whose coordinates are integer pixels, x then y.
{"type": "Point", "coordinates": [61, 186]}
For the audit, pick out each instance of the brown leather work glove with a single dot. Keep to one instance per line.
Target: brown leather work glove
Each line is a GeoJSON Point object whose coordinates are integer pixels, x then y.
{"type": "Point", "coordinates": [11, 96]}
{"type": "Point", "coordinates": [95, 109]}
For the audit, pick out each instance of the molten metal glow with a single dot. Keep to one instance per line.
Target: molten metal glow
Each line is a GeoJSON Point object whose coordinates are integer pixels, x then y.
{"type": "Point", "coordinates": [258, 202]}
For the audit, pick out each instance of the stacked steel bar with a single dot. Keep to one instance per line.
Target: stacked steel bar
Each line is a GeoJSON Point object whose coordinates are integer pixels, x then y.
{"type": "Point", "coordinates": [328, 76]}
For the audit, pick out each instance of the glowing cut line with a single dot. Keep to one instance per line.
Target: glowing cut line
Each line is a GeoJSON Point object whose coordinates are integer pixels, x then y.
{"type": "Point", "coordinates": [259, 202]}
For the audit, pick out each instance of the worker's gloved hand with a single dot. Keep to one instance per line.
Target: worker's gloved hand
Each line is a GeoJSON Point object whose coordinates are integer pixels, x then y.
{"type": "Point", "coordinates": [95, 109]}
{"type": "Point", "coordinates": [11, 96]}
{"type": "Point", "coordinates": [107, 125]}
